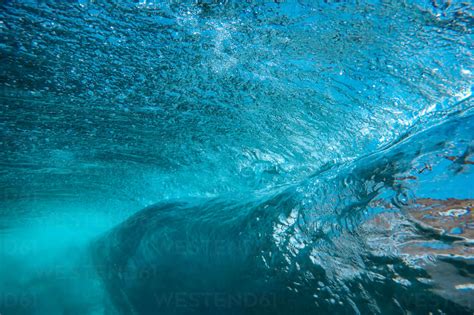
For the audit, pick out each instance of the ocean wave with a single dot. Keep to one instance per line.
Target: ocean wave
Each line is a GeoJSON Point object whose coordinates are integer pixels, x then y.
{"type": "Point", "coordinates": [333, 243]}
{"type": "Point", "coordinates": [237, 157]}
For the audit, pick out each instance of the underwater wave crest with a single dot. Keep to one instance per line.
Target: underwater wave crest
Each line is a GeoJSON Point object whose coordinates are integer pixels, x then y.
{"type": "Point", "coordinates": [347, 240]}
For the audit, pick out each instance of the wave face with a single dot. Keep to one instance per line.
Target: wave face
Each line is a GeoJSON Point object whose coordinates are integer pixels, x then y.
{"type": "Point", "coordinates": [289, 157]}
{"type": "Point", "coordinates": [341, 242]}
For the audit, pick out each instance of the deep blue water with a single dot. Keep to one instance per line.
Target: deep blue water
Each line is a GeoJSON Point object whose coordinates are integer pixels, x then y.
{"type": "Point", "coordinates": [236, 157]}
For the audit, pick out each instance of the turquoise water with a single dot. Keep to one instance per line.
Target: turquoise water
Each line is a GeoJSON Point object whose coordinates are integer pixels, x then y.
{"type": "Point", "coordinates": [236, 157]}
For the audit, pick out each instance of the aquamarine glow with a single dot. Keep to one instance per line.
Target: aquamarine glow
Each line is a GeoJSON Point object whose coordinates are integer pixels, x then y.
{"type": "Point", "coordinates": [236, 157]}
